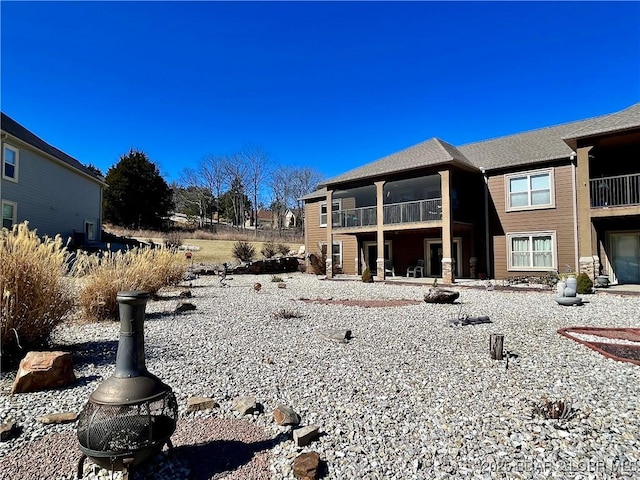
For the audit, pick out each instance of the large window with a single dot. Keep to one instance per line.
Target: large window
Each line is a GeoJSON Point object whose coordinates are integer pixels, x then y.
{"type": "Point", "coordinates": [89, 230]}
{"type": "Point", "coordinates": [10, 163]}
{"type": "Point", "coordinates": [531, 251]}
{"type": "Point", "coordinates": [335, 207]}
{"type": "Point", "coordinates": [530, 190]}
{"type": "Point", "coordinates": [9, 210]}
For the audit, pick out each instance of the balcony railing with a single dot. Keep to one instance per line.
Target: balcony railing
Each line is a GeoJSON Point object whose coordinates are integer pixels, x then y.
{"type": "Point", "coordinates": [355, 217]}
{"type": "Point", "coordinates": [394, 213]}
{"type": "Point", "coordinates": [615, 191]}
{"type": "Point", "coordinates": [408, 212]}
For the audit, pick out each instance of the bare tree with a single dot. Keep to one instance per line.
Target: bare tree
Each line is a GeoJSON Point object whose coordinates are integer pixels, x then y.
{"type": "Point", "coordinates": [257, 172]}
{"type": "Point", "coordinates": [279, 183]}
{"type": "Point", "coordinates": [213, 175]}
{"type": "Point", "coordinates": [235, 172]}
{"type": "Point", "coordinates": [302, 182]}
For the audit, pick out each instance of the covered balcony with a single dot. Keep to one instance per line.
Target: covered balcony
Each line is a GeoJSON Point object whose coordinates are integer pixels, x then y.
{"type": "Point", "coordinates": [404, 201]}
{"type": "Point", "coordinates": [615, 191]}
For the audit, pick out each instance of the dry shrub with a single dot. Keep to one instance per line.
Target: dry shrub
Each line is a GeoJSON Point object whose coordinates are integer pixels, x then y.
{"type": "Point", "coordinates": [269, 249]}
{"type": "Point", "coordinates": [35, 296]}
{"type": "Point", "coordinates": [105, 275]}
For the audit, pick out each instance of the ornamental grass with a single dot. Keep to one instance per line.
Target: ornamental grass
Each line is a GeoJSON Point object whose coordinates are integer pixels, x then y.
{"type": "Point", "coordinates": [35, 296]}
{"type": "Point", "coordinates": [104, 275]}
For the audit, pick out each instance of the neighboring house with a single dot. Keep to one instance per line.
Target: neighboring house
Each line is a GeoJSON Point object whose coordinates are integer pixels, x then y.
{"type": "Point", "coordinates": [553, 199]}
{"type": "Point", "coordinates": [54, 192]}
{"type": "Point", "coordinates": [268, 219]}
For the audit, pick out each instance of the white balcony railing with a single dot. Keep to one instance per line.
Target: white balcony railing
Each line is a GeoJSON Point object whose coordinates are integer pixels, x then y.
{"type": "Point", "coordinates": [615, 191]}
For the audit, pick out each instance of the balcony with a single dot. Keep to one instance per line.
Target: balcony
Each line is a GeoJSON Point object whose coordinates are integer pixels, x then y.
{"type": "Point", "coordinates": [355, 217]}
{"type": "Point", "coordinates": [410, 212]}
{"type": "Point", "coordinates": [618, 191]}
{"type": "Point", "coordinates": [394, 213]}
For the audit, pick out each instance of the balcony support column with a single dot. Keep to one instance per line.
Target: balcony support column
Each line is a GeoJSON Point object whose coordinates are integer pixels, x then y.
{"type": "Point", "coordinates": [329, 259]}
{"type": "Point", "coordinates": [589, 262]}
{"type": "Point", "coordinates": [379, 229]}
{"type": "Point", "coordinates": [448, 274]}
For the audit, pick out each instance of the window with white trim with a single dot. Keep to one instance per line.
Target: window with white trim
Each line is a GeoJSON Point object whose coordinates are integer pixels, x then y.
{"type": "Point", "coordinates": [10, 163]}
{"type": "Point", "coordinates": [530, 190]}
{"type": "Point", "coordinates": [9, 214]}
{"type": "Point", "coordinates": [336, 253]}
{"type": "Point", "coordinates": [335, 207]}
{"type": "Point", "coordinates": [531, 251]}
{"type": "Point", "coordinates": [89, 230]}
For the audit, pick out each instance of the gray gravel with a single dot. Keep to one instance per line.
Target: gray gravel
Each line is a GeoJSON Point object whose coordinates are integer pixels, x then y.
{"type": "Point", "coordinates": [407, 397]}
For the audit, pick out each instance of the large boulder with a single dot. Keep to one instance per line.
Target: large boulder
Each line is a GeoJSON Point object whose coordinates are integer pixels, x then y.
{"type": "Point", "coordinates": [44, 371]}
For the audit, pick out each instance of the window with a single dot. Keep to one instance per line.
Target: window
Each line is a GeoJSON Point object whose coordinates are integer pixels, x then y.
{"type": "Point", "coordinates": [531, 251]}
{"type": "Point", "coordinates": [529, 191]}
{"type": "Point", "coordinates": [335, 207]}
{"type": "Point", "coordinates": [89, 230]}
{"type": "Point", "coordinates": [336, 253]}
{"type": "Point", "coordinates": [9, 210]}
{"type": "Point", "coordinates": [10, 163]}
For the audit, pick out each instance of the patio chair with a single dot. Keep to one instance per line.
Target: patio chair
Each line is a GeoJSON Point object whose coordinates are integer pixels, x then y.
{"type": "Point", "coordinates": [416, 270]}
{"type": "Point", "coordinates": [388, 268]}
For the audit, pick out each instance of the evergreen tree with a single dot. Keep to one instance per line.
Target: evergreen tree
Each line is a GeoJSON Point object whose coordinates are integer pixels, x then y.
{"type": "Point", "coordinates": [137, 196]}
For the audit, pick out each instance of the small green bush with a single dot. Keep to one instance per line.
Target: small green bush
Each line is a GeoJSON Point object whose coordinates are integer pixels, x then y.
{"type": "Point", "coordinates": [585, 284]}
{"type": "Point", "coordinates": [367, 277]}
{"type": "Point", "coordinates": [276, 279]}
{"type": "Point", "coordinates": [243, 251]}
{"type": "Point", "coordinates": [269, 249]}
{"type": "Point", "coordinates": [35, 294]}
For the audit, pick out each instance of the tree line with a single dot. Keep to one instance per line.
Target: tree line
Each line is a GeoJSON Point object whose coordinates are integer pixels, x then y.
{"type": "Point", "coordinates": [234, 187]}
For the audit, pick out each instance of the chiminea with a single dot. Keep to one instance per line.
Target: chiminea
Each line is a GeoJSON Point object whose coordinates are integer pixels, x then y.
{"type": "Point", "coordinates": [132, 414]}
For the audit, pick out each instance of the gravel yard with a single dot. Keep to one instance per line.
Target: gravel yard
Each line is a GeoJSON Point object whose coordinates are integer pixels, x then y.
{"type": "Point", "coordinates": [408, 397]}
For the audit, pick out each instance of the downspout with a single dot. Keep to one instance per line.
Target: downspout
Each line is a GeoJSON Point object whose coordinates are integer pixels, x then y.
{"type": "Point", "coordinates": [486, 222]}
{"type": "Point", "coordinates": [574, 193]}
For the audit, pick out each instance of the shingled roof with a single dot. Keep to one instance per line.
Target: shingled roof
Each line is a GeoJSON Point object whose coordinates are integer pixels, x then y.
{"type": "Point", "coordinates": [526, 148]}
{"type": "Point", "coordinates": [626, 119]}
{"type": "Point", "coordinates": [429, 153]}
{"type": "Point", "coordinates": [16, 130]}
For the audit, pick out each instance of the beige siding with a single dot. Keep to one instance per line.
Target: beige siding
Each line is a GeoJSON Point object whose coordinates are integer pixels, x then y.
{"type": "Point", "coordinates": [316, 235]}
{"type": "Point", "coordinates": [559, 219]}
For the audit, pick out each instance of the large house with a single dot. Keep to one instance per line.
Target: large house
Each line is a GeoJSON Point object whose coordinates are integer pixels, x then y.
{"type": "Point", "coordinates": [40, 184]}
{"type": "Point", "coordinates": [565, 197]}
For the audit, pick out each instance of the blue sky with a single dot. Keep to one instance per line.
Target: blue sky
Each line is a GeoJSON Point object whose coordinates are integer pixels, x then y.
{"type": "Point", "coordinates": [331, 85]}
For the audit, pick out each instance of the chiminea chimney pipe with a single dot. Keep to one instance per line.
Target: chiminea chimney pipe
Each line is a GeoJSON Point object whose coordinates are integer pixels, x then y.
{"type": "Point", "coordinates": [131, 382]}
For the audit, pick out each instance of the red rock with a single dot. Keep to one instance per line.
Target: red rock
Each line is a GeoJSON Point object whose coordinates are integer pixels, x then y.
{"type": "Point", "coordinates": [44, 371]}
{"type": "Point", "coordinates": [306, 465]}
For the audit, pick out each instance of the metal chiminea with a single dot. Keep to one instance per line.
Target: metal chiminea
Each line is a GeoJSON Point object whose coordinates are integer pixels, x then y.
{"type": "Point", "coordinates": [132, 414]}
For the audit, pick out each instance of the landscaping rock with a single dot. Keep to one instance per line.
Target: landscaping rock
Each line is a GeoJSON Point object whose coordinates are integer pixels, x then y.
{"type": "Point", "coordinates": [441, 295]}
{"type": "Point", "coordinates": [244, 405]}
{"type": "Point", "coordinates": [55, 418]}
{"type": "Point", "coordinates": [184, 307]}
{"type": "Point", "coordinates": [306, 466]}
{"type": "Point", "coordinates": [7, 430]}
{"type": "Point", "coordinates": [185, 294]}
{"type": "Point", "coordinates": [200, 403]}
{"type": "Point", "coordinates": [305, 435]}
{"type": "Point", "coordinates": [285, 415]}
{"type": "Point", "coordinates": [44, 371]}
{"type": "Point", "coordinates": [338, 336]}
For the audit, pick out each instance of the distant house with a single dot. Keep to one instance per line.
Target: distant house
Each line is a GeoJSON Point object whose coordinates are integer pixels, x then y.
{"type": "Point", "coordinates": [268, 219]}
{"type": "Point", "coordinates": [51, 190]}
{"type": "Point", "coordinates": [552, 199]}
